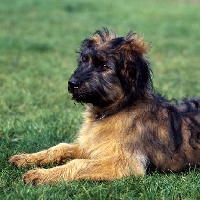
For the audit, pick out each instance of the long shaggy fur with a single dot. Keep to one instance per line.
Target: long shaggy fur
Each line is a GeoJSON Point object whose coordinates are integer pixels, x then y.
{"type": "Point", "coordinates": [127, 128]}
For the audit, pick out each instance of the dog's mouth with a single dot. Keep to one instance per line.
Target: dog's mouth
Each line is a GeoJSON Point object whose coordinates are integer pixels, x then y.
{"type": "Point", "coordinates": [85, 92]}
{"type": "Point", "coordinates": [82, 98]}
{"type": "Point", "coordinates": [80, 93]}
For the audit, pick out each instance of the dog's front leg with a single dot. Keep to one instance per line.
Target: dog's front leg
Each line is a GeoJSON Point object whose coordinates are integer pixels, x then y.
{"type": "Point", "coordinates": [78, 169]}
{"type": "Point", "coordinates": [57, 154]}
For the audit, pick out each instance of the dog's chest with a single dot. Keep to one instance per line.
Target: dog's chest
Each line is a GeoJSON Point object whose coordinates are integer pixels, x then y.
{"type": "Point", "coordinates": [100, 138]}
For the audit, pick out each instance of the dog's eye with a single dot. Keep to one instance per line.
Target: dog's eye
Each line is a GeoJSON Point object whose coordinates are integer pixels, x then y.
{"type": "Point", "coordinates": [105, 66]}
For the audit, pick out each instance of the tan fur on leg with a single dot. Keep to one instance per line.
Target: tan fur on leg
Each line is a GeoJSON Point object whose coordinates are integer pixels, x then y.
{"type": "Point", "coordinates": [57, 154]}
{"type": "Point", "coordinates": [100, 169]}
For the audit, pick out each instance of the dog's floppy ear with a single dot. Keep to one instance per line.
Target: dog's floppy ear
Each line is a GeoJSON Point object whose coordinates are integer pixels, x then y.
{"type": "Point", "coordinates": [143, 73]}
{"type": "Point", "coordinates": [134, 67]}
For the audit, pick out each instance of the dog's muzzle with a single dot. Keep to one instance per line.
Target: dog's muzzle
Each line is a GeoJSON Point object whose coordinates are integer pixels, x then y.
{"type": "Point", "coordinates": [73, 84]}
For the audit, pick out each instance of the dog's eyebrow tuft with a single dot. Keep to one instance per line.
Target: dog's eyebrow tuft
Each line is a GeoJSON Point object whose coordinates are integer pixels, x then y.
{"type": "Point", "coordinates": [101, 58]}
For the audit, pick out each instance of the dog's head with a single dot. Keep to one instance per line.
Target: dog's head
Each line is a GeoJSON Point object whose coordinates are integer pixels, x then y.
{"type": "Point", "coordinates": [110, 68]}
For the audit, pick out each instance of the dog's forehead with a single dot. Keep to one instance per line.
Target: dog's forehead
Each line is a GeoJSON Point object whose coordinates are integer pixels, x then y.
{"type": "Point", "coordinates": [99, 55]}
{"type": "Point", "coordinates": [100, 51]}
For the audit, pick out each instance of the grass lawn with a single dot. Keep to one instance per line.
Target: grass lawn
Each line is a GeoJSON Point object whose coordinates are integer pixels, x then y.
{"type": "Point", "coordinates": [37, 44]}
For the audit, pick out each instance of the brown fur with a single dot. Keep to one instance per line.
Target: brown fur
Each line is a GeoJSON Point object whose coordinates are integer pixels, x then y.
{"type": "Point", "coordinates": [127, 129]}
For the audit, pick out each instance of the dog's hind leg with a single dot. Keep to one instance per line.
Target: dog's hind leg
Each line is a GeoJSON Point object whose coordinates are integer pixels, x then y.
{"type": "Point", "coordinates": [89, 169]}
{"type": "Point", "coordinates": [57, 154]}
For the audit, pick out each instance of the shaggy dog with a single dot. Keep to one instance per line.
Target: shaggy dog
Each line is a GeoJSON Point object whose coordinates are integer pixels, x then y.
{"type": "Point", "coordinates": [127, 127]}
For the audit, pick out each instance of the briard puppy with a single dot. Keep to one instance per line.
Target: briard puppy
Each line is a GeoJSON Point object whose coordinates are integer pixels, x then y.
{"type": "Point", "coordinates": [127, 128]}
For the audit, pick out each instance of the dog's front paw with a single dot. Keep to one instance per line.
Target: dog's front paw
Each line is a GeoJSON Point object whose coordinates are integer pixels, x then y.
{"type": "Point", "coordinates": [35, 177]}
{"type": "Point", "coordinates": [19, 160]}
{"type": "Point", "coordinates": [39, 176]}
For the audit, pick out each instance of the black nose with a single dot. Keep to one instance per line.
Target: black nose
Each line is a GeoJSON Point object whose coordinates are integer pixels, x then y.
{"type": "Point", "coordinates": [73, 83]}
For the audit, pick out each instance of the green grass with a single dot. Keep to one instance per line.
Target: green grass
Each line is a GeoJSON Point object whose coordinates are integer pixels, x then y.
{"type": "Point", "coordinates": [37, 44]}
